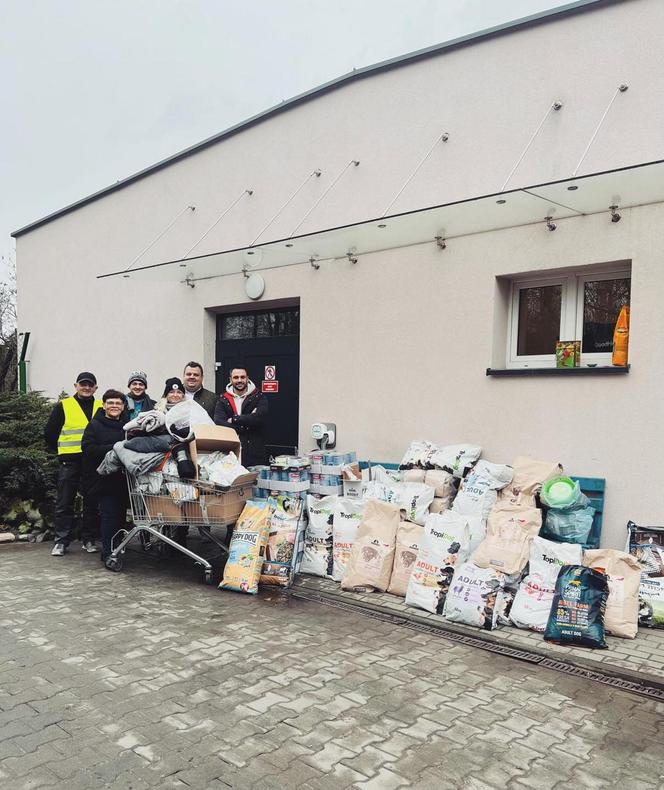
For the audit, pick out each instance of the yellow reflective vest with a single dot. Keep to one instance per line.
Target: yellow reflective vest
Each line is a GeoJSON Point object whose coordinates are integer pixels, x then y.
{"type": "Point", "coordinates": [71, 435]}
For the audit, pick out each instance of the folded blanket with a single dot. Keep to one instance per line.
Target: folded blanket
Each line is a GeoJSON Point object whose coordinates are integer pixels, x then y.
{"type": "Point", "coordinates": [133, 462]}
{"type": "Point", "coordinates": [147, 421]}
{"type": "Point", "coordinates": [149, 444]}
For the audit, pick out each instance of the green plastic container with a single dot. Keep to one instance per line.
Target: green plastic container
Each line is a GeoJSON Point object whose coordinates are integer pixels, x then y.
{"type": "Point", "coordinates": [559, 492]}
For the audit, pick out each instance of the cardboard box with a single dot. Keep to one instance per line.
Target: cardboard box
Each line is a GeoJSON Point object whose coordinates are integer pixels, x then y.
{"type": "Point", "coordinates": [161, 508]}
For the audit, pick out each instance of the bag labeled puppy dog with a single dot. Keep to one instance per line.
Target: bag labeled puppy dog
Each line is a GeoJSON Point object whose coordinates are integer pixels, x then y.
{"type": "Point", "coordinates": [372, 555]}
{"type": "Point", "coordinates": [247, 549]}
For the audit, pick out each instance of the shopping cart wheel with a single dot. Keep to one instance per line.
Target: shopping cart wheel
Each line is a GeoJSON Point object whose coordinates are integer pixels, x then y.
{"type": "Point", "coordinates": [114, 564]}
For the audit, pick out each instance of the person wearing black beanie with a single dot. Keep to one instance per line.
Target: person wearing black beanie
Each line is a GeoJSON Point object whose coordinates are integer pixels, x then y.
{"type": "Point", "coordinates": [173, 393]}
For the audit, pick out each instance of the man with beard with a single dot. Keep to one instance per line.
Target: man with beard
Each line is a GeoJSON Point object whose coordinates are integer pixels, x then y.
{"type": "Point", "coordinates": [194, 390]}
{"type": "Point", "coordinates": [244, 408]}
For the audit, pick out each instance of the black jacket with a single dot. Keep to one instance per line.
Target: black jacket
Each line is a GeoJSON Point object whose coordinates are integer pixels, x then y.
{"type": "Point", "coordinates": [249, 424]}
{"type": "Point", "coordinates": [148, 403]}
{"type": "Point", "coordinates": [206, 399]}
{"type": "Point", "coordinates": [57, 420]}
{"type": "Point", "coordinates": [98, 438]}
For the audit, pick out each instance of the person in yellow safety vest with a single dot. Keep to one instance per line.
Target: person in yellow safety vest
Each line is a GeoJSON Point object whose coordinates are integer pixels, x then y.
{"type": "Point", "coordinates": [63, 434]}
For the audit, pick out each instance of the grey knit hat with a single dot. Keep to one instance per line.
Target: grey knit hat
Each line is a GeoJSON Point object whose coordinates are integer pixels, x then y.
{"type": "Point", "coordinates": [138, 375]}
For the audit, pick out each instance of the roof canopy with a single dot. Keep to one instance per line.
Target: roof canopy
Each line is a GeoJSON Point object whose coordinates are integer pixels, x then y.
{"type": "Point", "coordinates": [592, 194]}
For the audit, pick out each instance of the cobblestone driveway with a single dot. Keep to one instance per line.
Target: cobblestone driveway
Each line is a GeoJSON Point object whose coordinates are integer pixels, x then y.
{"type": "Point", "coordinates": [149, 679]}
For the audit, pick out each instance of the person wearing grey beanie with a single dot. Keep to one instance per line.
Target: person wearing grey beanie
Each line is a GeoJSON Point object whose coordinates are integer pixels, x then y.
{"type": "Point", "coordinates": [138, 399]}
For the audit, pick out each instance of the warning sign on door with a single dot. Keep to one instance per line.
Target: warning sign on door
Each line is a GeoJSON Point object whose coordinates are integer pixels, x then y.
{"type": "Point", "coordinates": [270, 373]}
{"type": "Point", "coordinates": [270, 386]}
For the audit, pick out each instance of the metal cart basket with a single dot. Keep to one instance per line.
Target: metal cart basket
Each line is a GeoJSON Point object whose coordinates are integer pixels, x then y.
{"type": "Point", "coordinates": [160, 502]}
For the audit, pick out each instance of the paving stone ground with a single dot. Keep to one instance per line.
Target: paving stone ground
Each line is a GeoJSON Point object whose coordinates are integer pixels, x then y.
{"type": "Point", "coordinates": [148, 678]}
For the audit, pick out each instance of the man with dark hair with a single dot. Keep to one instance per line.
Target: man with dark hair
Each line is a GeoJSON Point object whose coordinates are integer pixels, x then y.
{"type": "Point", "coordinates": [63, 434]}
{"type": "Point", "coordinates": [194, 390]}
{"type": "Point", "coordinates": [244, 408]}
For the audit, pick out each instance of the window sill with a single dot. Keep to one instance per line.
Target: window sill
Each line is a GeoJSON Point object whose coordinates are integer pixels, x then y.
{"type": "Point", "coordinates": [607, 370]}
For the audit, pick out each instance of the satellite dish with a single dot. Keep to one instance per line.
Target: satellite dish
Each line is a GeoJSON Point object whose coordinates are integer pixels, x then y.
{"type": "Point", "coordinates": [254, 286]}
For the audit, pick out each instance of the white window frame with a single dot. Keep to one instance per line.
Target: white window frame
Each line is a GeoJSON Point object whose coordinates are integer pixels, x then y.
{"type": "Point", "coordinates": [571, 314]}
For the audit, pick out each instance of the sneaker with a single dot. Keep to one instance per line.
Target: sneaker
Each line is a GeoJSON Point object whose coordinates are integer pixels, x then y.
{"type": "Point", "coordinates": [90, 547]}
{"type": "Point", "coordinates": [58, 550]}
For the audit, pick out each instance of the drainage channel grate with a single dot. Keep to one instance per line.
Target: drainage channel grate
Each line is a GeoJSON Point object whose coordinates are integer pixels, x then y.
{"type": "Point", "coordinates": [493, 647]}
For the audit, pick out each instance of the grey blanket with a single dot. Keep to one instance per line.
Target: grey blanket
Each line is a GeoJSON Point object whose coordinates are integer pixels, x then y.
{"type": "Point", "coordinates": [147, 421]}
{"type": "Point", "coordinates": [135, 463]}
{"type": "Point", "coordinates": [149, 444]}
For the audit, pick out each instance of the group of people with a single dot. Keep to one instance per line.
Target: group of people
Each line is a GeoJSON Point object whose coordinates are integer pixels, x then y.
{"type": "Point", "coordinates": [82, 429]}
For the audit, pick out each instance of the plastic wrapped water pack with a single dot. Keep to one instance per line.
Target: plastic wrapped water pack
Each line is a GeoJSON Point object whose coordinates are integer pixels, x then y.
{"type": "Point", "coordinates": [457, 458]}
{"type": "Point", "coordinates": [528, 478]}
{"type": "Point", "coordinates": [509, 533]}
{"type": "Point", "coordinates": [577, 611]}
{"type": "Point", "coordinates": [317, 557]}
{"type": "Point", "coordinates": [479, 490]}
{"type": "Point", "coordinates": [285, 520]}
{"type": "Point", "coordinates": [409, 539]}
{"type": "Point", "coordinates": [413, 499]}
{"type": "Point", "coordinates": [532, 603]}
{"type": "Point", "coordinates": [345, 523]}
{"type": "Point", "coordinates": [445, 545]}
{"type": "Point", "coordinates": [622, 606]}
{"type": "Point", "coordinates": [372, 556]}
{"type": "Point", "coordinates": [476, 597]}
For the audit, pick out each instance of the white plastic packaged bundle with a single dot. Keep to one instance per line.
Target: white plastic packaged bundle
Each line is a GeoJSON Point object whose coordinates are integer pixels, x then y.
{"type": "Point", "coordinates": [220, 468]}
{"type": "Point", "coordinates": [347, 517]}
{"type": "Point", "coordinates": [317, 556]}
{"type": "Point", "coordinates": [181, 418]}
{"type": "Point", "coordinates": [479, 490]}
{"type": "Point", "coordinates": [445, 544]}
{"type": "Point", "coordinates": [457, 458]}
{"type": "Point", "coordinates": [532, 603]}
{"type": "Point", "coordinates": [475, 597]}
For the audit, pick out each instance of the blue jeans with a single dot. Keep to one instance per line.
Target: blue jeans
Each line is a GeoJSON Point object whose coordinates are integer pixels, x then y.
{"type": "Point", "coordinates": [113, 509]}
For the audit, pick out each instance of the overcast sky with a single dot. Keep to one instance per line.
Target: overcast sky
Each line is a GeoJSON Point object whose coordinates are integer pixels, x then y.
{"type": "Point", "coordinates": [94, 90]}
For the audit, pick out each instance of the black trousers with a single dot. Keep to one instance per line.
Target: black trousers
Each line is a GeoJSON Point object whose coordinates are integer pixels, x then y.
{"type": "Point", "coordinates": [71, 482]}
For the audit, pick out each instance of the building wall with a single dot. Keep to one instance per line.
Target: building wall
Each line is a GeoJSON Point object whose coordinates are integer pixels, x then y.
{"type": "Point", "coordinates": [396, 347]}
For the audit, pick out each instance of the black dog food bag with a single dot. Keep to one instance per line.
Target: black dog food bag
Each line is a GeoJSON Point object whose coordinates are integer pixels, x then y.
{"type": "Point", "coordinates": [577, 611]}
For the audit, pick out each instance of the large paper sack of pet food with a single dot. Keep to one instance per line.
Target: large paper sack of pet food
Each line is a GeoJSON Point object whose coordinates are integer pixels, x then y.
{"type": "Point", "coordinates": [445, 544]}
{"type": "Point", "coordinates": [285, 520]}
{"type": "Point", "coordinates": [528, 479]}
{"type": "Point", "coordinates": [622, 606]}
{"type": "Point", "coordinates": [509, 533]}
{"type": "Point", "coordinates": [479, 490]}
{"type": "Point", "coordinates": [476, 597]}
{"type": "Point", "coordinates": [409, 538]}
{"type": "Point", "coordinates": [317, 556]}
{"type": "Point", "coordinates": [347, 517]}
{"type": "Point", "coordinates": [577, 611]}
{"type": "Point", "coordinates": [372, 556]}
{"type": "Point", "coordinates": [247, 549]}
{"type": "Point", "coordinates": [532, 602]}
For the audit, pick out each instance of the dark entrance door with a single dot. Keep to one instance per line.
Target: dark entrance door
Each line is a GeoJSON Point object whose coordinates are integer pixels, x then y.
{"type": "Point", "coordinates": [255, 340]}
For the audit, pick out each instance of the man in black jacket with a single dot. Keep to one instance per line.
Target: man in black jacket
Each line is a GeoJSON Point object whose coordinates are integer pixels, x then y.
{"type": "Point", "coordinates": [194, 390]}
{"type": "Point", "coordinates": [138, 399]}
{"type": "Point", "coordinates": [63, 434]}
{"type": "Point", "coordinates": [244, 408]}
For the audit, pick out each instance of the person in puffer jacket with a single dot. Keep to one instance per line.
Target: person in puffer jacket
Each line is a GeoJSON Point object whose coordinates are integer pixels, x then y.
{"type": "Point", "coordinates": [244, 408]}
{"type": "Point", "coordinates": [103, 431]}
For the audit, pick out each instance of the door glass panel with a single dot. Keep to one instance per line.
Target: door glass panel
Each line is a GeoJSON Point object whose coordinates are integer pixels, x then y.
{"type": "Point", "coordinates": [539, 320]}
{"type": "Point", "coordinates": [238, 327]}
{"type": "Point", "coordinates": [602, 302]}
{"type": "Point", "coordinates": [278, 324]}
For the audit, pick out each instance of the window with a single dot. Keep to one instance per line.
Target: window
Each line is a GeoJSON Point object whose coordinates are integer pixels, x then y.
{"type": "Point", "coordinates": [571, 306]}
{"type": "Point", "coordinates": [278, 323]}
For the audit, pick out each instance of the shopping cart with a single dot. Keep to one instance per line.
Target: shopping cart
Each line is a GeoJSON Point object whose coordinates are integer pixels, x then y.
{"type": "Point", "coordinates": [159, 503]}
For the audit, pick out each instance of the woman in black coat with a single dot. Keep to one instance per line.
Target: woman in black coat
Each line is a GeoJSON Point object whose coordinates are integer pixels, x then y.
{"type": "Point", "coordinates": [102, 432]}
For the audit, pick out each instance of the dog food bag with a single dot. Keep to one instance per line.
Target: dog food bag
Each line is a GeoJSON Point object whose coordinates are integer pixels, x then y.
{"type": "Point", "coordinates": [413, 499]}
{"type": "Point", "coordinates": [347, 517]}
{"type": "Point", "coordinates": [528, 479]}
{"type": "Point", "coordinates": [247, 549]}
{"type": "Point", "coordinates": [284, 522]}
{"type": "Point", "coordinates": [443, 486]}
{"type": "Point", "coordinates": [445, 544]}
{"type": "Point", "coordinates": [577, 611]}
{"type": "Point", "coordinates": [317, 557]}
{"type": "Point", "coordinates": [419, 454]}
{"type": "Point", "coordinates": [413, 476]}
{"type": "Point", "coordinates": [409, 539]}
{"type": "Point", "coordinates": [372, 556]}
{"type": "Point", "coordinates": [457, 458]}
{"type": "Point", "coordinates": [622, 606]}
{"type": "Point", "coordinates": [651, 602]}
{"type": "Point", "coordinates": [475, 597]}
{"type": "Point", "coordinates": [439, 505]}
{"type": "Point", "coordinates": [532, 602]}
{"type": "Point", "coordinates": [509, 533]}
{"type": "Point", "coordinates": [478, 491]}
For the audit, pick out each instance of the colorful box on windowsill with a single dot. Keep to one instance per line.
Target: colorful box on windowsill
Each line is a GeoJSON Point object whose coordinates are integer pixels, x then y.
{"type": "Point", "coordinates": [568, 353]}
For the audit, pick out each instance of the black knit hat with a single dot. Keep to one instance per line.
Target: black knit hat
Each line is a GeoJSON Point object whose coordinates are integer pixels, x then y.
{"type": "Point", "coordinates": [173, 384]}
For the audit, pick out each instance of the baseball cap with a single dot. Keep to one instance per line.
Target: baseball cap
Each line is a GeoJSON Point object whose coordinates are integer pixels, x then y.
{"type": "Point", "coordinates": [86, 376]}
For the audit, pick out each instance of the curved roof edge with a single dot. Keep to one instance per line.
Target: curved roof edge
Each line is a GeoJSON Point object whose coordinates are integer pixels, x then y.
{"type": "Point", "coordinates": [366, 71]}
